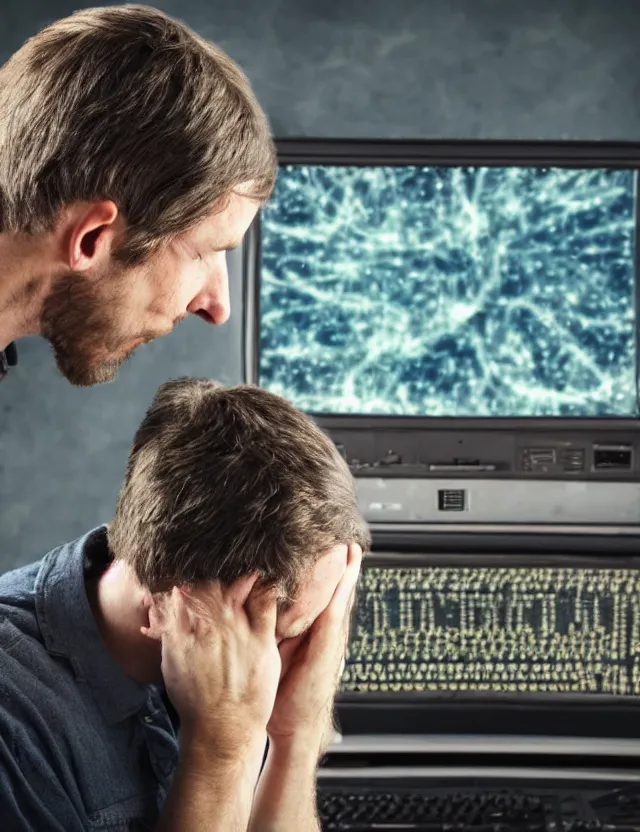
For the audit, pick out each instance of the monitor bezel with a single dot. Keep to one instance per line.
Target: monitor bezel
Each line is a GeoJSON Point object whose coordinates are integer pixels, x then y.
{"type": "Point", "coordinates": [491, 153]}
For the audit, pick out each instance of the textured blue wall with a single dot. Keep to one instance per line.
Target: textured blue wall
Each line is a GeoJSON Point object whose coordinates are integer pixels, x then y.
{"type": "Point", "coordinates": [553, 69]}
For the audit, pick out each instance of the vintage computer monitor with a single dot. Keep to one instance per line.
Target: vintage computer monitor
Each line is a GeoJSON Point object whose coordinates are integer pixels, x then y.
{"type": "Point", "coordinates": [461, 319]}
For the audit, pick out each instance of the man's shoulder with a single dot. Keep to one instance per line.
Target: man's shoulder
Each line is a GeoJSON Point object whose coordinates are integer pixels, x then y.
{"type": "Point", "coordinates": [47, 631]}
{"type": "Point", "coordinates": [23, 646]}
{"type": "Point", "coordinates": [18, 603]}
{"type": "Point", "coordinates": [25, 591]}
{"type": "Point", "coordinates": [23, 655]}
{"type": "Point", "coordinates": [48, 635]}
{"type": "Point", "coordinates": [32, 680]}
{"type": "Point", "coordinates": [25, 666]}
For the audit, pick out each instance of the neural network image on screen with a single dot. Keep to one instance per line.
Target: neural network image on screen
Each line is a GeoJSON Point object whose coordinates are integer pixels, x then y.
{"type": "Point", "coordinates": [450, 291]}
{"type": "Point", "coordinates": [488, 629]}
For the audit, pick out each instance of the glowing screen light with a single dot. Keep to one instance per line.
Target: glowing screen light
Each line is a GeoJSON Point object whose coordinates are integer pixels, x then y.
{"type": "Point", "coordinates": [450, 291]}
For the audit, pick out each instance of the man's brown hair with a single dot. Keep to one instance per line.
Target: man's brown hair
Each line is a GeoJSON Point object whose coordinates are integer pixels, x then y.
{"type": "Point", "coordinates": [125, 103]}
{"type": "Point", "coordinates": [226, 482]}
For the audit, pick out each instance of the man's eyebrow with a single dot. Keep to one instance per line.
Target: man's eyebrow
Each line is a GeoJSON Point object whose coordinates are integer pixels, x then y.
{"type": "Point", "coordinates": [225, 247]}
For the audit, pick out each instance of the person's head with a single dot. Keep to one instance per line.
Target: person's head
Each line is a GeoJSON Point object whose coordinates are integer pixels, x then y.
{"type": "Point", "coordinates": [227, 482]}
{"type": "Point", "coordinates": [132, 154]}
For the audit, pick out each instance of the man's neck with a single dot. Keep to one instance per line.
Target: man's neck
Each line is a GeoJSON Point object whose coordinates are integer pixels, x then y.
{"type": "Point", "coordinates": [23, 286]}
{"type": "Point", "coordinates": [118, 604]}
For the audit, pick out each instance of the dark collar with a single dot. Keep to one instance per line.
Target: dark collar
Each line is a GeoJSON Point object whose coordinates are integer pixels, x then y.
{"type": "Point", "coordinates": [8, 358]}
{"type": "Point", "coordinates": [69, 628]}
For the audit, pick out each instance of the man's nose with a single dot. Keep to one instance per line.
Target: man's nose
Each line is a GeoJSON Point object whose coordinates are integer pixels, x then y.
{"type": "Point", "coordinates": [212, 303]}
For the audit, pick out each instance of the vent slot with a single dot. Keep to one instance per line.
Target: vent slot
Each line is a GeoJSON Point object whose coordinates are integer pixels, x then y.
{"type": "Point", "coordinates": [572, 460]}
{"type": "Point", "coordinates": [452, 499]}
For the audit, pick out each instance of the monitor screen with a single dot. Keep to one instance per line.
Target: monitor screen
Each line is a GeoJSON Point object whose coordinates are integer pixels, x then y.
{"type": "Point", "coordinates": [492, 629]}
{"type": "Point", "coordinates": [442, 290]}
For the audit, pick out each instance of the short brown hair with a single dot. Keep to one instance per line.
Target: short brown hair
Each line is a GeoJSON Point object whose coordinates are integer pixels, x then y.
{"type": "Point", "coordinates": [125, 103]}
{"type": "Point", "coordinates": [225, 482]}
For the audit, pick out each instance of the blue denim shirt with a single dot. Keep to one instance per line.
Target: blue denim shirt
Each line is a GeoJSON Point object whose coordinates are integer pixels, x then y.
{"type": "Point", "coordinates": [82, 746]}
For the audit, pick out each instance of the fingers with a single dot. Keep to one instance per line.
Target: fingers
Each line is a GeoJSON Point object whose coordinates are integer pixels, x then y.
{"type": "Point", "coordinates": [174, 611]}
{"type": "Point", "coordinates": [181, 606]}
{"type": "Point", "coordinates": [344, 593]}
{"type": "Point", "coordinates": [354, 556]}
{"type": "Point", "coordinates": [330, 630]}
{"type": "Point", "coordinates": [240, 590]}
{"type": "Point", "coordinates": [261, 608]}
{"type": "Point", "coordinates": [290, 650]}
{"type": "Point", "coordinates": [211, 599]}
{"type": "Point", "coordinates": [184, 610]}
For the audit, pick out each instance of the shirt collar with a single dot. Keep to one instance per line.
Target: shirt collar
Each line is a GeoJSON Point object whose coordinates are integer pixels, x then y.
{"type": "Point", "coordinates": [69, 628]}
{"type": "Point", "coordinates": [8, 358]}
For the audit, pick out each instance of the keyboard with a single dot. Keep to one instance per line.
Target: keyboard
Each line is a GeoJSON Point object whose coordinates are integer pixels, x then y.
{"type": "Point", "coordinates": [358, 808]}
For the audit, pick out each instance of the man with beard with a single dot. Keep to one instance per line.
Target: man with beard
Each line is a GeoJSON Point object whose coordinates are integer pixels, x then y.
{"type": "Point", "coordinates": [133, 155]}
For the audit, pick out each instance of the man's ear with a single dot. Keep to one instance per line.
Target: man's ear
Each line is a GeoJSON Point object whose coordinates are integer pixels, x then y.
{"type": "Point", "coordinates": [155, 618]}
{"type": "Point", "coordinates": [92, 234]}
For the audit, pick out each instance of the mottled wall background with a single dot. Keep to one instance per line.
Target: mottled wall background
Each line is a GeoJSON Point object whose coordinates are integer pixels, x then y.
{"type": "Point", "coordinates": [464, 69]}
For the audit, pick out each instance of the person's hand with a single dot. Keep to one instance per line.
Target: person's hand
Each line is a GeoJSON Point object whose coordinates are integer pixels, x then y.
{"type": "Point", "coordinates": [313, 664]}
{"type": "Point", "coordinates": [220, 663]}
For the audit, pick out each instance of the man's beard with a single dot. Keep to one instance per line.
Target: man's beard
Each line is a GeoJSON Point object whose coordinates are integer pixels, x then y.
{"type": "Point", "coordinates": [80, 322]}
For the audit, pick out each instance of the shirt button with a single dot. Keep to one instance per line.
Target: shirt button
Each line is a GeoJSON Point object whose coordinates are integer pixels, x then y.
{"type": "Point", "coordinates": [148, 720]}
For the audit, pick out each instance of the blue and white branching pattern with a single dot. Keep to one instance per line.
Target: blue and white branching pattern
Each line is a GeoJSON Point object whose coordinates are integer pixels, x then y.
{"type": "Point", "coordinates": [450, 291]}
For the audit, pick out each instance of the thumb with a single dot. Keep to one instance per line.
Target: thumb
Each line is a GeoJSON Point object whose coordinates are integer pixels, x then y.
{"type": "Point", "coordinates": [344, 595]}
{"type": "Point", "coordinates": [330, 631]}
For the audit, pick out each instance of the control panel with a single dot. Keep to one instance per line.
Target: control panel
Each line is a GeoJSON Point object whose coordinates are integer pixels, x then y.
{"type": "Point", "coordinates": [435, 454]}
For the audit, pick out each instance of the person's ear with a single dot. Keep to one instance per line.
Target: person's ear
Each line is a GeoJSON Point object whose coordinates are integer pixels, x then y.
{"type": "Point", "coordinates": [155, 614]}
{"type": "Point", "coordinates": [92, 235]}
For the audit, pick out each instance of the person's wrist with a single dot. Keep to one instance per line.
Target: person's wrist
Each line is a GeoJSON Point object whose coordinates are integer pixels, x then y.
{"type": "Point", "coordinates": [301, 749]}
{"type": "Point", "coordinates": [204, 749]}
{"type": "Point", "coordinates": [312, 734]}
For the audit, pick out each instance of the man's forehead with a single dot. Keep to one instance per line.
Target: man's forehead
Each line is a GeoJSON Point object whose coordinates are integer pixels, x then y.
{"type": "Point", "coordinates": [224, 229]}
